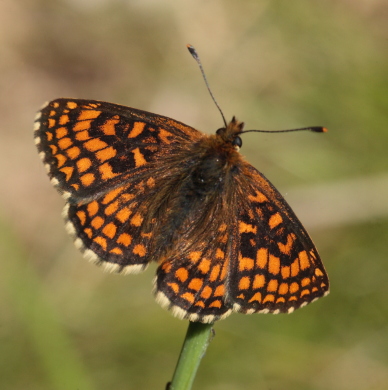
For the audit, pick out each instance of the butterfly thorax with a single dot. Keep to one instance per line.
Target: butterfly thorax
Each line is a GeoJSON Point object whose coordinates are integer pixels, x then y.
{"type": "Point", "coordinates": [199, 190]}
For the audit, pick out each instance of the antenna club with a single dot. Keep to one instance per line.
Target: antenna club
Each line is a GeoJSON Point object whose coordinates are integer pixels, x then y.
{"type": "Point", "coordinates": [319, 129]}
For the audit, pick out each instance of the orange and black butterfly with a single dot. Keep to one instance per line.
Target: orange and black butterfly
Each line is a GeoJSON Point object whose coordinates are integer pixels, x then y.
{"type": "Point", "coordinates": [141, 187]}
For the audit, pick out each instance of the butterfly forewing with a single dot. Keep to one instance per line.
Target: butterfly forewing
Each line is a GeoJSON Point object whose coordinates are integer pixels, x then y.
{"type": "Point", "coordinates": [90, 147]}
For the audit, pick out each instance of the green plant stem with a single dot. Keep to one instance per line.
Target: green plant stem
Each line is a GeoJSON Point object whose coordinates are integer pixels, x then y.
{"type": "Point", "coordinates": [197, 340]}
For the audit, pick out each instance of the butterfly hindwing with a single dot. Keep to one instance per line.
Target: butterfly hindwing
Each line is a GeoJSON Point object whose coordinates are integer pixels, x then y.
{"type": "Point", "coordinates": [278, 268]}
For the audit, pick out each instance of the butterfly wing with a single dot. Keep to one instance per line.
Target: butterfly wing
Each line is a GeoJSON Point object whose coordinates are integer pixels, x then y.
{"type": "Point", "coordinates": [277, 268]}
{"type": "Point", "coordinates": [89, 147]}
{"type": "Point", "coordinates": [108, 161]}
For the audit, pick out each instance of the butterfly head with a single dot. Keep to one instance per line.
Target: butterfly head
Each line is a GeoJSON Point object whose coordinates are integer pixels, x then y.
{"type": "Point", "coordinates": [231, 133]}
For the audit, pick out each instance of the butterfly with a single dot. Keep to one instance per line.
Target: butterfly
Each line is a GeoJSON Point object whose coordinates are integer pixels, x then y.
{"type": "Point", "coordinates": [140, 187]}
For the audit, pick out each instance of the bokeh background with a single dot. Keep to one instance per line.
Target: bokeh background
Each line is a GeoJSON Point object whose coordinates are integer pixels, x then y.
{"type": "Point", "coordinates": [65, 324]}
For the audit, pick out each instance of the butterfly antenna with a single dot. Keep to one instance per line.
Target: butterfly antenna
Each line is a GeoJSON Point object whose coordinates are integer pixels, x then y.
{"type": "Point", "coordinates": [315, 129]}
{"type": "Point", "coordinates": [195, 55]}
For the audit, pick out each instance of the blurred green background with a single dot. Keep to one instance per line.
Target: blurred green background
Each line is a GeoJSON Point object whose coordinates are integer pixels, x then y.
{"type": "Point", "coordinates": [65, 324]}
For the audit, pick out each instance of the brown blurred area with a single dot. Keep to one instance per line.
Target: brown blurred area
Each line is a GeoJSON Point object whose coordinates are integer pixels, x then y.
{"type": "Point", "coordinates": [64, 324]}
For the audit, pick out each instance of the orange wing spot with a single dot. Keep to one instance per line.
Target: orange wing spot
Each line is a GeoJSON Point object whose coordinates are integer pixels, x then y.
{"type": "Point", "coordinates": [64, 119]}
{"type": "Point", "coordinates": [81, 216]}
{"type": "Point", "coordinates": [139, 250]}
{"type": "Point", "coordinates": [220, 254]}
{"type": "Point", "coordinates": [206, 292]}
{"type": "Point", "coordinates": [71, 105]}
{"type": "Point", "coordinates": [116, 251]}
{"type": "Point", "coordinates": [151, 182]}
{"type": "Point", "coordinates": [304, 260]}
{"type": "Point", "coordinates": [92, 208]}
{"type": "Point", "coordinates": [259, 281]}
{"type": "Point", "coordinates": [52, 113]}
{"type": "Point", "coordinates": [54, 149]}
{"type": "Point", "coordinates": [294, 287]}
{"type": "Point", "coordinates": [244, 283]}
{"type": "Point", "coordinates": [189, 297]}
{"type": "Point", "coordinates": [123, 214]}
{"type": "Point", "coordinates": [101, 241]}
{"type": "Point", "coordinates": [305, 282]}
{"type": "Point", "coordinates": [49, 136]}
{"type": "Point", "coordinates": [200, 304]}
{"type": "Point", "coordinates": [147, 235]}
{"type": "Point", "coordinates": [314, 289]}
{"type": "Point", "coordinates": [287, 247]}
{"type": "Point", "coordinates": [87, 179]}
{"type": "Point", "coordinates": [61, 132]}
{"type": "Point", "coordinates": [65, 143]}
{"type": "Point", "coordinates": [217, 304]}
{"type": "Point", "coordinates": [164, 136]}
{"type": "Point", "coordinates": [110, 230]}
{"type": "Point", "coordinates": [166, 267]}
{"type": "Point", "coordinates": [259, 197]}
{"type": "Point", "coordinates": [75, 186]}
{"type": "Point", "coordinates": [274, 265]}
{"type": "Point", "coordinates": [305, 292]}
{"type": "Point", "coordinates": [272, 285]}
{"type": "Point", "coordinates": [295, 268]}
{"type": "Point", "coordinates": [124, 239]}
{"type": "Point", "coordinates": [68, 171]}
{"type": "Point", "coordinates": [245, 263]}
{"type": "Point", "coordinates": [220, 291]}
{"type": "Point", "coordinates": [323, 285]}
{"type": "Point", "coordinates": [283, 289]}
{"type": "Point", "coordinates": [257, 297]}
{"type": "Point", "coordinates": [269, 298]}
{"type": "Point", "coordinates": [241, 296]}
{"type": "Point", "coordinates": [61, 159]}
{"type": "Point", "coordinates": [95, 144]}
{"type": "Point", "coordinates": [223, 227]}
{"type": "Point", "coordinates": [195, 256]}
{"type": "Point", "coordinates": [80, 126]}
{"type": "Point", "coordinates": [55, 105]}
{"type": "Point", "coordinates": [139, 158]}
{"type": "Point", "coordinates": [82, 135]}
{"type": "Point", "coordinates": [293, 298]}
{"type": "Point", "coordinates": [112, 208]}
{"type": "Point", "coordinates": [88, 114]}
{"type": "Point", "coordinates": [262, 258]}
{"type": "Point", "coordinates": [196, 284]}
{"type": "Point", "coordinates": [285, 271]}
{"type": "Point", "coordinates": [275, 220]}
{"type": "Point", "coordinates": [214, 273]}
{"type": "Point", "coordinates": [97, 222]}
{"type": "Point", "coordinates": [318, 272]}
{"type": "Point", "coordinates": [88, 232]}
{"type": "Point", "coordinates": [246, 228]}
{"type": "Point", "coordinates": [51, 123]}
{"type": "Point", "coordinates": [106, 171]}
{"type": "Point", "coordinates": [112, 195]}
{"type": "Point", "coordinates": [137, 129]}
{"type": "Point", "coordinates": [174, 287]}
{"type": "Point", "coordinates": [280, 300]}
{"type": "Point", "coordinates": [108, 128]}
{"type": "Point", "coordinates": [73, 152]}
{"type": "Point", "coordinates": [182, 274]}
{"type": "Point", "coordinates": [137, 220]}
{"type": "Point", "coordinates": [83, 164]}
{"type": "Point", "coordinates": [204, 266]}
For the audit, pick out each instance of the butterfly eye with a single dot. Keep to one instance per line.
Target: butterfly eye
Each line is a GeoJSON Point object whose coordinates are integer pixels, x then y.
{"type": "Point", "coordinates": [237, 142]}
